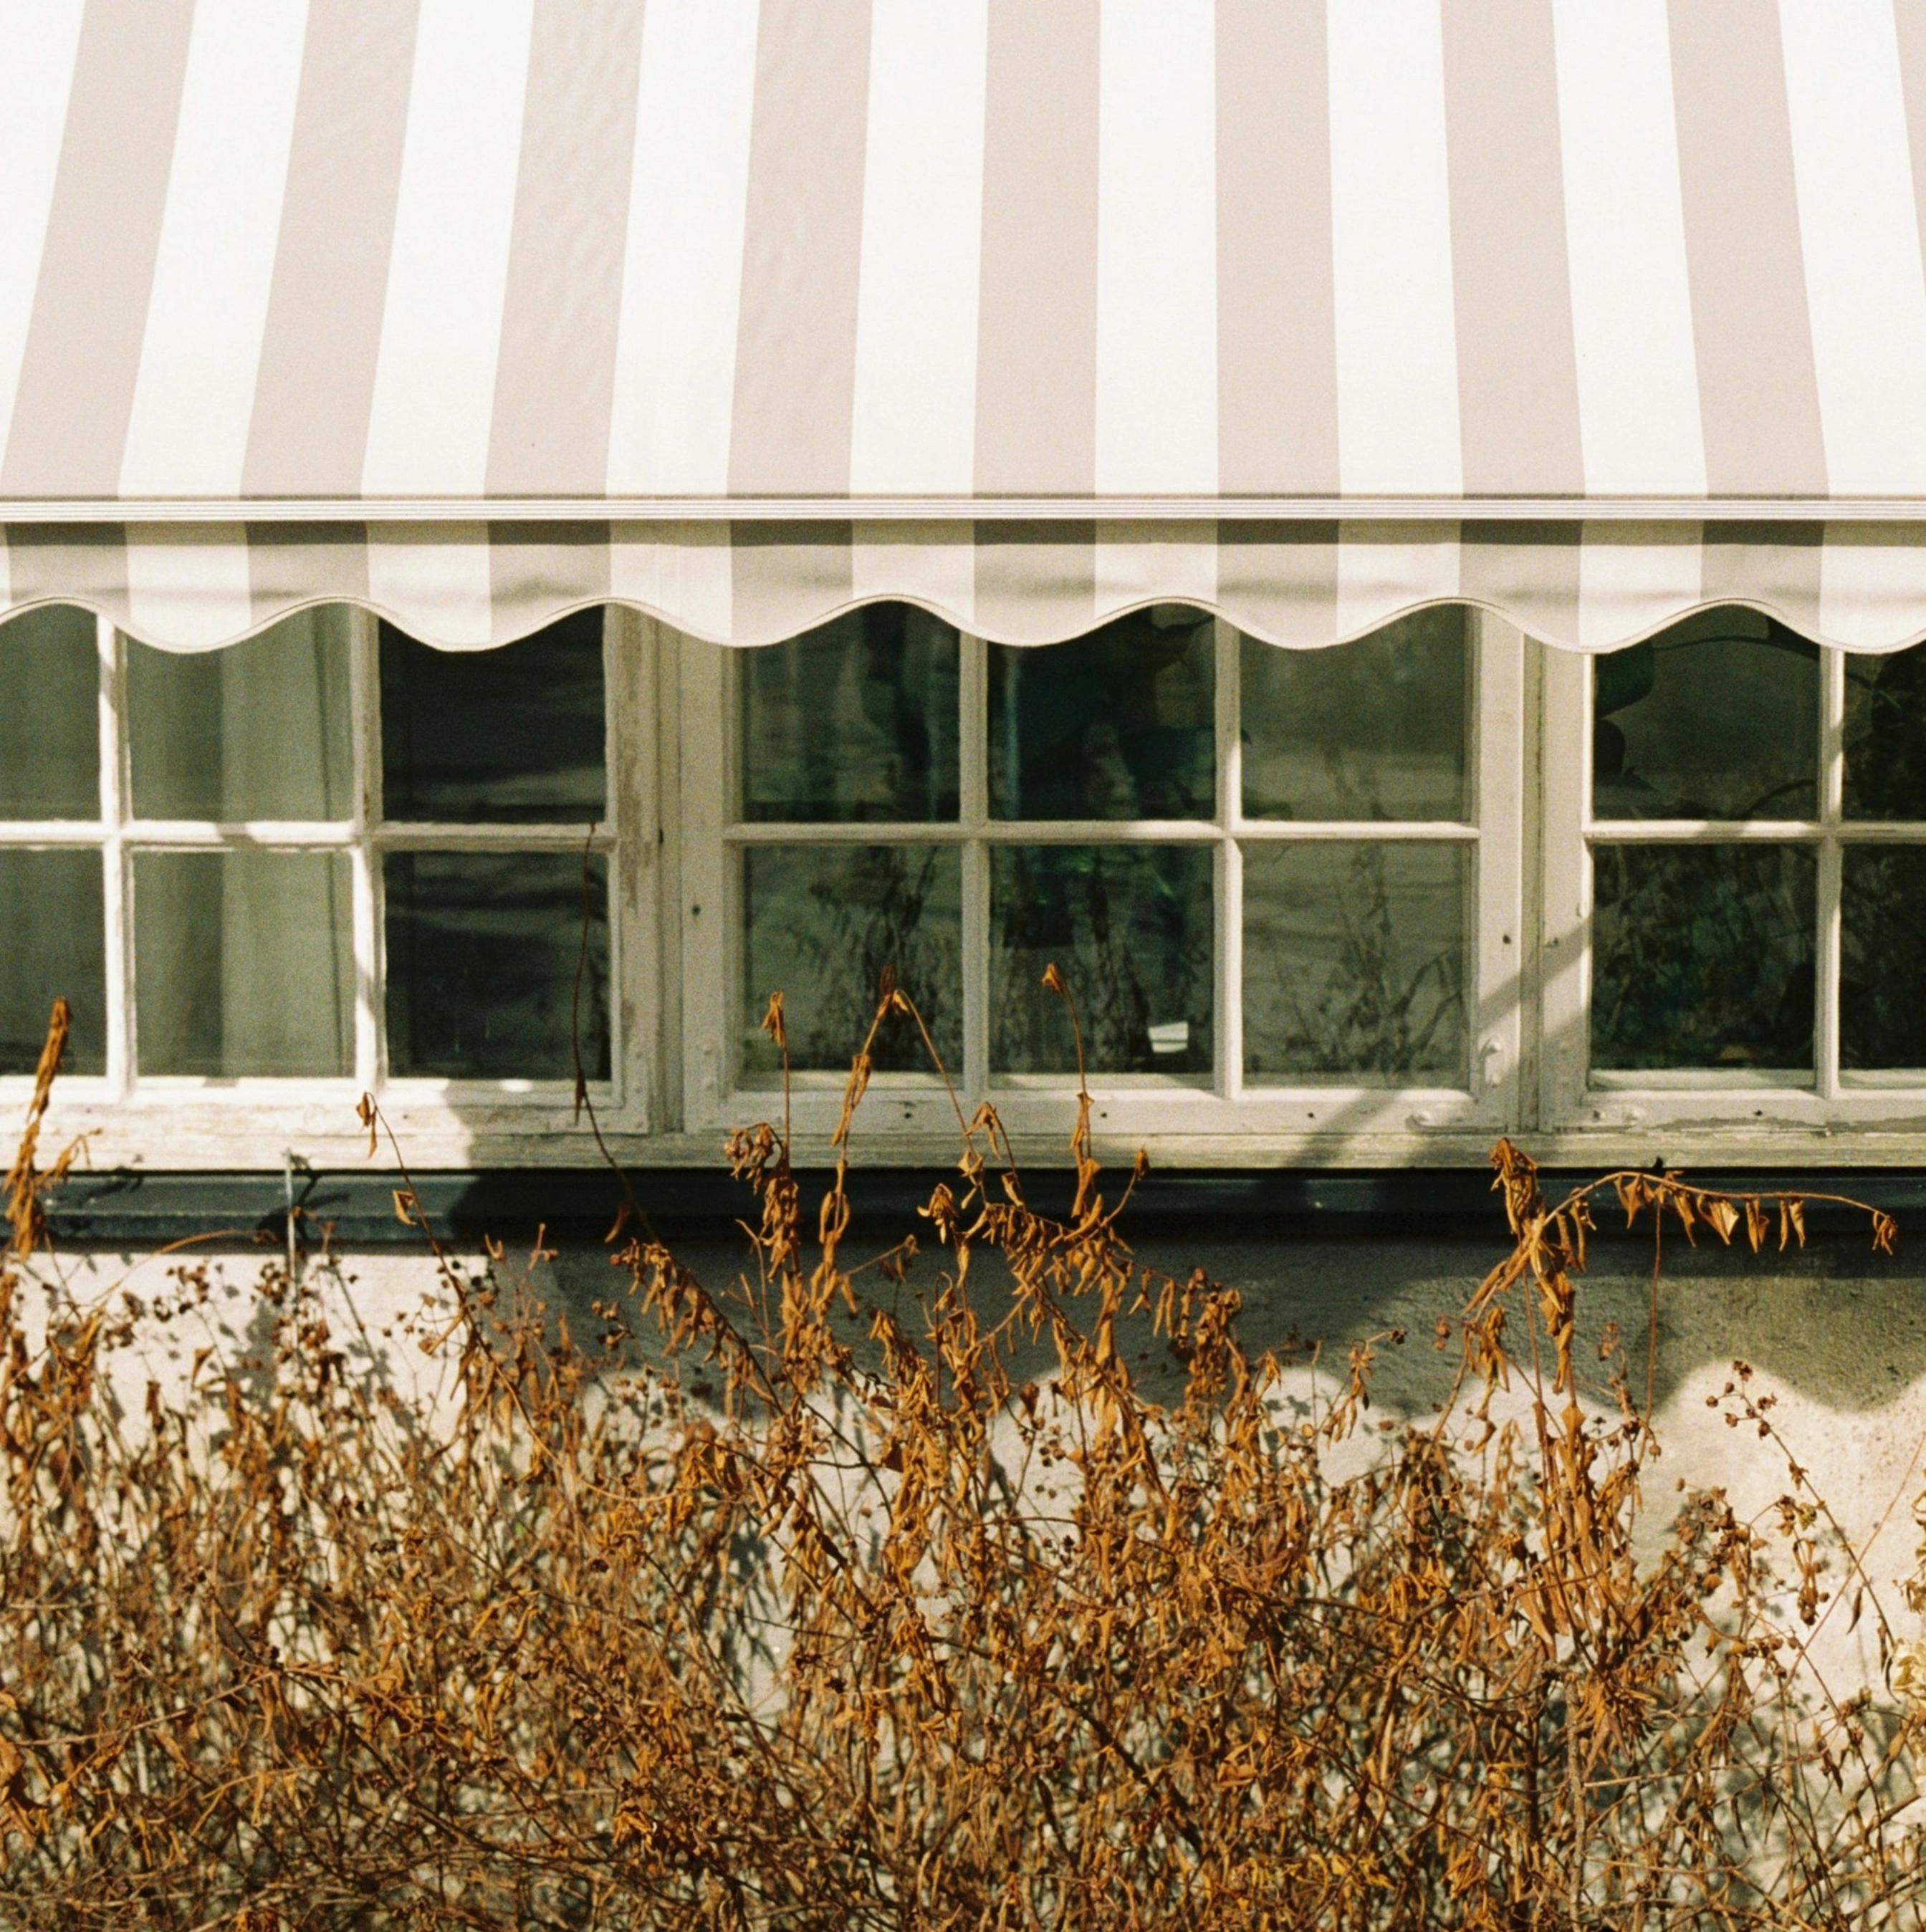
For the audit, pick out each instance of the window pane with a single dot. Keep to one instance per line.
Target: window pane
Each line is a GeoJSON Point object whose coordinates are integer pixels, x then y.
{"type": "Point", "coordinates": [52, 945]}
{"type": "Point", "coordinates": [1716, 718]}
{"type": "Point", "coordinates": [1882, 965]}
{"type": "Point", "coordinates": [1702, 956]}
{"type": "Point", "coordinates": [820, 924]}
{"type": "Point", "coordinates": [483, 948]}
{"type": "Point", "coordinates": [50, 716]}
{"type": "Point", "coordinates": [1130, 925]}
{"type": "Point", "coordinates": [515, 734]}
{"type": "Point", "coordinates": [1354, 961]}
{"type": "Point", "coordinates": [1118, 724]}
{"type": "Point", "coordinates": [1886, 736]}
{"type": "Point", "coordinates": [244, 963]}
{"type": "Point", "coordinates": [258, 730]}
{"type": "Point", "coordinates": [858, 720]}
{"type": "Point", "coordinates": [1374, 729]}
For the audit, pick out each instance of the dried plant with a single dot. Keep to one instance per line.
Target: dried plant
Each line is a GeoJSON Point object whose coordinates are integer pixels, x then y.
{"type": "Point", "coordinates": [888, 1634]}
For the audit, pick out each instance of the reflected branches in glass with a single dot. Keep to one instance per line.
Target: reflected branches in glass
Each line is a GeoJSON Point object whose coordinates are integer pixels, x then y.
{"type": "Point", "coordinates": [1702, 956]}
{"type": "Point", "coordinates": [820, 923]}
{"type": "Point", "coordinates": [1882, 957]}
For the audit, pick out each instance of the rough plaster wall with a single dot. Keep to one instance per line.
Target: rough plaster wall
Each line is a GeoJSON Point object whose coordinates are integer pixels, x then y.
{"type": "Point", "coordinates": [1838, 1335]}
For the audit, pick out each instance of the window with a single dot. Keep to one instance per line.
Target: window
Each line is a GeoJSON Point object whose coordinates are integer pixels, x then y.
{"type": "Point", "coordinates": [1265, 875]}
{"type": "Point", "coordinates": [324, 860]}
{"type": "Point", "coordinates": [1740, 888]}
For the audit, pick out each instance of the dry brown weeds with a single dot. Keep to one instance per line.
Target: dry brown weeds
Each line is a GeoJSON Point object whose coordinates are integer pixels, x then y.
{"type": "Point", "coordinates": [888, 1638]}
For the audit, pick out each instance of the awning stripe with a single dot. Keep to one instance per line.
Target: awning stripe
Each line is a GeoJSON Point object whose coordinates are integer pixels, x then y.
{"type": "Point", "coordinates": [1304, 584]}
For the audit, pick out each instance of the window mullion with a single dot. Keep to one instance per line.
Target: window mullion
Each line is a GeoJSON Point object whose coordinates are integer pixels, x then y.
{"type": "Point", "coordinates": [363, 687]}
{"type": "Point", "coordinates": [115, 905]}
{"type": "Point", "coordinates": [973, 803]}
{"type": "Point", "coordinates": [1230, 988]}
{"type": "Point", "coordinates": [1831, 793]}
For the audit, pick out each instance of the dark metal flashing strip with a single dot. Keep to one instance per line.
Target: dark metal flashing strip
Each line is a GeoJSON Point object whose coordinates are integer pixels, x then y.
{"type": "Point", "coordinates": [147, 1210]}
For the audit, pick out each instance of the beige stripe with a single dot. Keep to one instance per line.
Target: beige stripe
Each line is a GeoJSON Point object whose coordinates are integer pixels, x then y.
{"type": "Point", "coordinates": [1279, 581]}
{"type": "Point", "coordinates": [786, 578]}
{"type": "Point", "coordinates": [1776, 566]}
{"type": "Point", "coordinates": [795, 370]}
{"type": "Point", "coordinates": [538, 570]}
{"type": "Point", "coordinates": [309, 430]}
{"type": "Point", "coordinates": [1527, 572]}
{"type": "Point", "coordinates": [1759, 397]}
{"type": "Point", "coordinates": [83, 344]}
{"type": "Point", "coordinates": [1036, 583]}
{"type": "Point", "coordinates": [555, 383]}
{"type": "Point", "coordinates": [1277, 378]}
{"type": "Point", "coordinates": [1517, 369]}
{"type": "Point", "coordinates": [292, 566]}
{"type": "Point", "coordinates": [71, 563]}
{"type": "Point", "coordinates": [1036, 385]}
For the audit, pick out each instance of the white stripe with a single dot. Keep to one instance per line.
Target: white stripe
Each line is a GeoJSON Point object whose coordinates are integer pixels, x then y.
{"type": "Point", "coordinates": [187, 434]}
{"type": "Point", "coordinates": [1156, 414]}
{"type": "Point", "coordinates": [1162, 563]}
{"type": "Point", "coordinates": [1633, 578]}
{"type": "Point", "coordinates": [682, 275]}
{"type": "Point", "coordinates": [1865, 288]}
{"type": "Point", "coordinates": [1638, 421]}
{"type": "Point", "coordinates": [913, 421]}
{"type": "Point", "coordinates": [435, 580]}
{"type": "Point", "coordinates": [1397, 332]}
{"type": "Point", "coordinates": [38, 40]}
{"type": "Point", "coordinates": [188, 585]}
{"type": "Point", "coordinates": [683, 573]}
{"type": "Point", "coordinates": [1386, 569]}
{"type": "Point", "coordinates": [434, 380]}
{"type": "Point", "coordinates": [1872, 585]}
{"type": "Point", "coordinates": [933, 564]}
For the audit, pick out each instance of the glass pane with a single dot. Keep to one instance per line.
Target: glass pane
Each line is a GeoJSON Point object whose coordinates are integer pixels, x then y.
{"type": "Point", "coordinates": [1354, 961]}
{"type": "Point", "coordinates": [256, 730]}
{"type": "Point", "coordinates": [1375, 729]}
{"type": "Point", "coordinates": [1886, 736]}
{"type": "Point", "coordinates": [482, 951]}
{"type": "Point", "coordinates": [855, 720]}
{"type": "Point", "coordinates": [1716, 718]}
{"type": "Point", "coordinates": [1130, 925]}
{"type": "Point", "coordinates": [484, 737]}
{"type": "Point", "coordinates": [49, 715]}
{"type": "Point", "coordinates": [1118, 724]}
{"type": "Point", "coordinates": [52, 945]}
{"type": "Point", "coordinates": [1702, 956]}
{"type": "Point", "coordinates": [1882, 964]}
{"type": "Point", "coordinates": [244, 963]}
{"type": "Point", "coordinates": [820, 924]}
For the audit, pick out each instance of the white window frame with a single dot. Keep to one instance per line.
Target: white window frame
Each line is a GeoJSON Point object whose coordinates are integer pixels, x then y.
{"type": "Point", "coordinates": [1219, 1120]}
{"type": "Point", "coordinates": [135, 1120]}
{"type": "Point", "coordinates": [1730, 1116]}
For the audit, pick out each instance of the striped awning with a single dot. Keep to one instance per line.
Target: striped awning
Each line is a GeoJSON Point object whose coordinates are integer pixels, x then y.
{"type": "Point", "coordinates": [1310, 311]}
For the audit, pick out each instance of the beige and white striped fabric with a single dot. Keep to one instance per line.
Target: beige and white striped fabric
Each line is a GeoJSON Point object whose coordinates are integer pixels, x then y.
{"type": "Point", "coordinates": [741, 311]}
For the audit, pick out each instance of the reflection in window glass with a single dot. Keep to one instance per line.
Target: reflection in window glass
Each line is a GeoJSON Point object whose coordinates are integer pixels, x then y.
{"type": "Point", "coordinates": [1717, 717]}
{"type": "Point", "coordinates": [858, 720]}
{"type": "Point", "coordinates": [256, 730]}
{"type": "Point", "coordinates": [49, 715]}
{"type": "Point", "coordinates": [52, 945]}
{"type": "Point", "coordinates": [481, 951]}
{"type": "Point", "coordinates": [1118, 724]}
{"type": "Point", "coordinates": [1354, 961]}
{"type": "Point", "coordinates": [821, 924]}
{"type": "Point", "coordinates": [1886, 736]}
{"type": "Point", "coordinates": [244, 963]}
{"type": "Point", "coordinates": [1882, 957]}
{"type": "Point", "coordinates": [1130, 927]}
{"type": "Point", "coordinates": [1702, 956]}
{"type": "Point", "coordinates": [1372, 729]}
{"type": "Point", "coordinates": [495, 737]}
